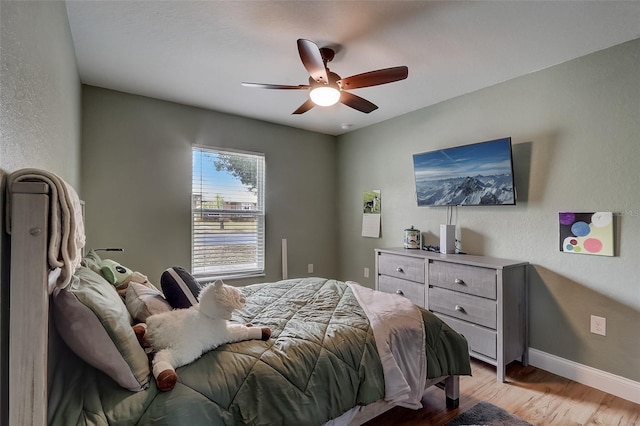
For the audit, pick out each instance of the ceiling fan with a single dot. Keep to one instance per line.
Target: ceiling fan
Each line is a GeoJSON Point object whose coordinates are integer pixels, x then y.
{"type": "Point", "coordinates": [327, 88]}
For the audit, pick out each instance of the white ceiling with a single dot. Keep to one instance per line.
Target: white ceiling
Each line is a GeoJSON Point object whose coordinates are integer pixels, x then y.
{"type": "Point", "coordinates": [198, 52]}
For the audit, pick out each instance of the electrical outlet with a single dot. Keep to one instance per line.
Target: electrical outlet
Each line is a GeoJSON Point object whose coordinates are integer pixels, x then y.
{"type": "Point", "coordinates": [598, 325]}
{"type": "Point", "coordinates": [310, 268]}
{"type": "Point", "coordinates": [366, 272]}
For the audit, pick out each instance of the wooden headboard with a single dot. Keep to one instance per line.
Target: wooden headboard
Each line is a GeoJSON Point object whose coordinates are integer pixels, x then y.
{"type": "Point", "coordinates": [28, 304]}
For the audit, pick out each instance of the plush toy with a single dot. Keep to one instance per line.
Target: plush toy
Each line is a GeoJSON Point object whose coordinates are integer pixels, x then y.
{"type": "Point", "coordinates": [181, 336]}
{"type": "Point", "coordinates": [120, 276]}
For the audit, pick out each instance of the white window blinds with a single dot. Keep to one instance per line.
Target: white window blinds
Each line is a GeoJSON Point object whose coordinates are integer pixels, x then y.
{"type": "Point", "coordinates": [227, 205]}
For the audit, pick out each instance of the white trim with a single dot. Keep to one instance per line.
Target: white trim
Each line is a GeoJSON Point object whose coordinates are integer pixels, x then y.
{"type": "Point", "coordinates": [207, 188]}
{"type": "Point", "coordinates": [235, 151]}
{"type": "Point", "coordinates": [285, 268]}
{"type": "Point", "coordinates": [602, 380]}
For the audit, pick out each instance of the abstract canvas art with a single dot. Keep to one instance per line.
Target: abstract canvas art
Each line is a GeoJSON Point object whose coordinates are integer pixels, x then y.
{"type": "Point", "coordinates": [586, 233]}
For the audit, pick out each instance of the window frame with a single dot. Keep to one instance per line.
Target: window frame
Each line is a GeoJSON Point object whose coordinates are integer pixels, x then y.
{"type": "Point", "coordinates": [207, 272]}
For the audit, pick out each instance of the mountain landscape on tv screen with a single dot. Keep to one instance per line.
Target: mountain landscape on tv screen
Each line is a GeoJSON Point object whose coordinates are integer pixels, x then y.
{"type": "Point", "coordinates": [478, 190]}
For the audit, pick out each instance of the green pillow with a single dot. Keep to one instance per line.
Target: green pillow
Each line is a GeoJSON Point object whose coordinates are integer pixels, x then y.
{"type": "Point", "coordinates": [94, 322]}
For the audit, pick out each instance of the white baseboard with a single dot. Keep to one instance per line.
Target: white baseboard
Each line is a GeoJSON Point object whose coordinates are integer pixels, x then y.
{"type": "Point", "coordinates": [606, 382]}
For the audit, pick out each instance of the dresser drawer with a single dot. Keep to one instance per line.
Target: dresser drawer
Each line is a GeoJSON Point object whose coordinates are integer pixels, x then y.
{"type": "Point", "coordinates": [405, 267]}
{"type": "Point", "coordinates": [463, 278]}
{"type": "Point", "coordinates": [411, 290]}
{"type": "Point", "coordinates": [481, 340]}
{"type": "Point", "coordinates": [474, 309]}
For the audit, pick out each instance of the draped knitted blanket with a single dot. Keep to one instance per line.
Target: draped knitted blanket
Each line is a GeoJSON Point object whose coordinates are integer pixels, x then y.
{"type": "Point", "coordinates": [66, 230]}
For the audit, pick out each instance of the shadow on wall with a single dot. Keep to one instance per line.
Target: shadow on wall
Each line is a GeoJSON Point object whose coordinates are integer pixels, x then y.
{"type": "Point", "coordinates": [521, 153]}
{"type": "Point", "coordinates": [537, 155]}
{"type": "Point", "coordinates": [473, 241]}
{"type": "Point", "coordinates": [560, 310]}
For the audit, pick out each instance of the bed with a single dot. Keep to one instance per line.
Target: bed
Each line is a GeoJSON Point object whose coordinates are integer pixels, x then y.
{"type": "Point", "coordinates": [339, 353]}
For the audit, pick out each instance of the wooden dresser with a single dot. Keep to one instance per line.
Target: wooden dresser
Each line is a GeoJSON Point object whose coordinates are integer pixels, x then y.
{"type": "Point", "coordinates": [483, 298]}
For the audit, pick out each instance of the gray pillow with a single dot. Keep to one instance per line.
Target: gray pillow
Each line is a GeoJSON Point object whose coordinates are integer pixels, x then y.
{"type": "Point", "coordinates": [180, 288]}
{"type": "Point", "coordinates": [92, 261]}
{"type": "Point", "coordinates": [94, 322]}
{"type": "Point", "coordinates": [143, 301]}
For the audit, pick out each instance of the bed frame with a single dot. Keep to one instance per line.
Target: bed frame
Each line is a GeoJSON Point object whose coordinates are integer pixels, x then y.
{"type": "Point", "coordinates": [32, 339]}
{"type": "Point", "coordinates": [28, 304]}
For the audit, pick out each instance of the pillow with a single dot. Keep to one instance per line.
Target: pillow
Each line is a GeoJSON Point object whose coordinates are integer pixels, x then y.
{"type": "Point", "coordinates": [92, 261]}
{"type": "Point", "coordinates": [180, 289]}
{"type": "Point", "coordinates": [143, 301]}
{"type": "Point", "coordinates": [93, 321]}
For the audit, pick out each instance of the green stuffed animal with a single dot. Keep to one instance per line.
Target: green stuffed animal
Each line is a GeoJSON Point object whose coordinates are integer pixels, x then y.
{"type": "Point", "coordinates": [120, 276]}
{"type": "Point", "coordinates": [114, 272]}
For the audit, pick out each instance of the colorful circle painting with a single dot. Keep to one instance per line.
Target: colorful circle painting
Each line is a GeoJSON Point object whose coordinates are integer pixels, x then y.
{"type": "Point", "coordinates": [586, 233]}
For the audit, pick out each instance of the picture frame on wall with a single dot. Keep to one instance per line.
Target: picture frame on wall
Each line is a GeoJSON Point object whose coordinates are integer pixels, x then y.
{"type": "Point", "coordinates": [586, 233]}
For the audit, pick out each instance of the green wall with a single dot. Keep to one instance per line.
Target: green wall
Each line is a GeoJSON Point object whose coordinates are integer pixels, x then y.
{"type": "Point", "coordinates": [39, 114]}
{"type": "Point", "coordinates": [39, 90]}
{"type": "Point", "coordinates": [576, 131]}
{"type": "Point", "coordinates": [136, 176]}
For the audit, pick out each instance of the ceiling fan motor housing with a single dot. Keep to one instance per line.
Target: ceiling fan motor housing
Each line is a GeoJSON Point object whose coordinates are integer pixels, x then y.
{"type": "Point", "coordinates": [327, 54]}
{"type": "Point", "coordinates": [333, 80]}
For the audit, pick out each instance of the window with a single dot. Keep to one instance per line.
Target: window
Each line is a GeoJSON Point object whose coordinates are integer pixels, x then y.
{"type": "Point", "coordinates": [227, 205]}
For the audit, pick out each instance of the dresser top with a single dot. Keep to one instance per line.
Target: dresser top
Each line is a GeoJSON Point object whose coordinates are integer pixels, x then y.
{"type": "Point", "coordinates": [465, 259]}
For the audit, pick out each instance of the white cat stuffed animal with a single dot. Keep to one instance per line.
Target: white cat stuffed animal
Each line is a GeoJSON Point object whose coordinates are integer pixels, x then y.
{"type": "Point", "coordinates": [181, 336]}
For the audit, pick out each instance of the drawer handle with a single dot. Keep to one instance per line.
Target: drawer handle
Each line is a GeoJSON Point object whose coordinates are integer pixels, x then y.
{"type": "Point", "coordinates": [400, 292]}
{"type": "Point", "coordinates": [459, 281]}
{"type": "Point", "coordinates": [459, 309]}
{"type": "Point", "coordinates": [399, 269]}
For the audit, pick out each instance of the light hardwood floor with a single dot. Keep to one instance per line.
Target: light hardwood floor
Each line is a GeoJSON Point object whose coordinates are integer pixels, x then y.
{"type": "Point", "coordinates": [537, 396]}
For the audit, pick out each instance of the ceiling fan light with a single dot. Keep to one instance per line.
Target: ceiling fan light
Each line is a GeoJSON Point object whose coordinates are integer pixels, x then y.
{"type": "Point", "coordinates": [324, 95]}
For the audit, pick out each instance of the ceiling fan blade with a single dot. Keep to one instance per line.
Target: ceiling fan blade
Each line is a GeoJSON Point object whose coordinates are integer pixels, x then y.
{"type": "Point", "coordinates": [374, 78]}
{"type": "Point", "coordinates": [312, 60]}
{"type": "Point", "coordinates": [275, 86]}
{"type": "Point", "coordinates": [356, 102]}
{"type": "Point", "coordinates": [304, 107]}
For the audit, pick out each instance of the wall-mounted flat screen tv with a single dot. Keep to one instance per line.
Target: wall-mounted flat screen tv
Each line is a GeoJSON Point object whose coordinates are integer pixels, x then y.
{"type": "Point", "coordinates": [479, 174]}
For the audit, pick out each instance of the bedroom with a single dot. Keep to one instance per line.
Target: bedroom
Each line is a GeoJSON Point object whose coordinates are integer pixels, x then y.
{"type": "Point", "coordinates": [582, 112]}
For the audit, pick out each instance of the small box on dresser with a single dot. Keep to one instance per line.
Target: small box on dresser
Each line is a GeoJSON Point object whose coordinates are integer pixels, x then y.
{"type": "Point", "coordinates": [483, 298]}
